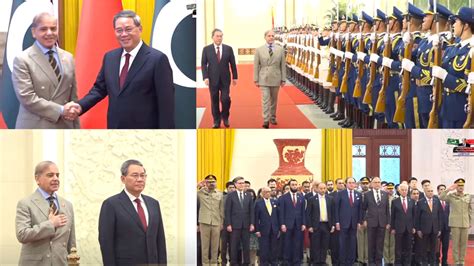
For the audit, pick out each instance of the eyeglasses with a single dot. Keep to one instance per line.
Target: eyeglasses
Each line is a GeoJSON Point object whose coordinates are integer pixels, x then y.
{"type": "Point", "coordinates": [119, 31]}
{"type": "Point", "coordinates": [136, 176]}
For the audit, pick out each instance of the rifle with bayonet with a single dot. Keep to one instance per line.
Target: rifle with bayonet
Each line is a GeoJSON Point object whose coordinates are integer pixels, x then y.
{"type": "Point", "coordinates": [469, 123]}
{"type": "Point", "coordinates": [347, 62]}
{"type": "Point", "coordinates": [437, 83]}
{"type": "Point", "coordinates": [360, 67]}
{"type": "Point", "coordinates": [373, 68]}
{"type": "Point", "coordinates": [380, 106]}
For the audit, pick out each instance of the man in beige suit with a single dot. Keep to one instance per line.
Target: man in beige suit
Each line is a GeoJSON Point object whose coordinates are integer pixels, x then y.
{"type": "Point", "coordinates": [460, 218]}
{"type": "Point", "coordinates": [44, 80]}
{"type": "Point", "coordinates": [45, 221]}
{"type": "Point", "coordinates": [211, 219]}
{"type": "Point", "coordinates": [269, 75]}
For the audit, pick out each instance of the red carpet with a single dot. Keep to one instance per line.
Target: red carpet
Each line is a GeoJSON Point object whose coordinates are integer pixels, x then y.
{"type": "Point", "coordinates": [246, 109]}
{"type": "Point", "coordinates": [2, 123]}
{"type": "Point", "coordinates": [469, 259]}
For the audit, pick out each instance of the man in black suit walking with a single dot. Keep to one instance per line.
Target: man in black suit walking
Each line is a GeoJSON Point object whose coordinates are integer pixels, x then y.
{"type": "Point", "coordinates": [428, 224]}
{"type": "Point", "coordinates": [239, 221]}
{"type": "Point", "coordinates": [215, 62]}
{"type": "Point", "coordinates": [376, 212]}
{"type": "Point", "coordinates": [402, 224]}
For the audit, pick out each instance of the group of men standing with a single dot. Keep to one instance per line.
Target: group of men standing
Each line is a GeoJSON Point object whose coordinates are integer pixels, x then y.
{"type": "Point", "coordinates": [387, 70]}
{"type": "Point", "coordinates": [370, 222]}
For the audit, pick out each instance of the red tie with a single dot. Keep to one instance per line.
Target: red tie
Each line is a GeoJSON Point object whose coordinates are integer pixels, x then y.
{"type": "Point", "coordinates": [141, 213]}
{"type": "Point", "coordinates": [218, 55]}
{"type": "Point", "coordinates": [124, 72]}
{"type": "Point", "coordinates": [294, 200]}
{"type": "Point", "coordinates": [404, 206]}
{"type": "Point", "coordinates": [443, 204]}
{"type": "Point", "coordinates": [350, 198]}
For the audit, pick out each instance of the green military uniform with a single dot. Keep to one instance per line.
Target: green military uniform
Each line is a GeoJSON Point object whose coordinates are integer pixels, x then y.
{"type": "Point", "coordinates": [389, 241]}
{"type": "Point", "coordinates": [460, 219]}
{"type": "Point", "coordinates": [362, 242]}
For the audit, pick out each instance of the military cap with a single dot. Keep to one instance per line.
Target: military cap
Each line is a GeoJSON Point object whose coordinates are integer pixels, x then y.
{"type": "Point", "coordinates": [465, 14]}
{"type": "Point", "coordinates": [365, 180]}
{"type": "Point", "coordinates": [397, 14]}
{"type": "Point", "coordinates": [415, 12]}
{"type": "Point", "coordinates": [440, 9]}
{"type": "Point", "coordinates": [380, 15]}
{"type": "Point", "coordinates": [460, 181]}
{"type": "Point", "coordinates": [390, 185]}
{"type": "Point", "coordinates": [366, 18]}
{"type": "Point", "coordinates": [384, 183]}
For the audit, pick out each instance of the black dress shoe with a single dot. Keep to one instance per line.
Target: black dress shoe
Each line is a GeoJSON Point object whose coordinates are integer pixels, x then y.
{"type": "Point", "coordinates": [265, 125]}
{"type": "Point", "coordinates": [226, 123]}
{"type": "Point", "coordinates": [216, 125]}
{"type": "Point", "coordinates": [273, 122]}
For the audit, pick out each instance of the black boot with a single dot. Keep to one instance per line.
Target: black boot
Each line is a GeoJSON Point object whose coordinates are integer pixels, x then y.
{"type": "Point", "coordinates": [330, 108]}
{"type": "Point", "coordinates": [325, 102]}
{"type": "Point", "coordinates": [340, 110]}
{"type": "Point", "coordinates": [344, 122]}
{"type": "Point", "coordinates": [350, 112]}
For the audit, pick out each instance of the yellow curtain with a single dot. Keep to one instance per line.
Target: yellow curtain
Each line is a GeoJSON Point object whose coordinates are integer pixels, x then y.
{"type": "Point", "coordinates": [215, 148]}
{"type": "Point", "coordinates": [72, 13]}
{"type": "Point", "coordinates": [336, 153]}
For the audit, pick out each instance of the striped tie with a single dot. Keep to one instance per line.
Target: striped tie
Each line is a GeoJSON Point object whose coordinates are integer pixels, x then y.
{"type": "Point", "coordinates": [54, 65]}
{"type": "Point", "coordinates": [270, 50]}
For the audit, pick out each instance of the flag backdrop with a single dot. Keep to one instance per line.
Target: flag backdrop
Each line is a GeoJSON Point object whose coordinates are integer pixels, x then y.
{"type": "Point", "coordinates": [18, 39]}
{"type": "Point", "coordinates": [96, 36]}
{"type": "Point", "coordinates": [174, 33]}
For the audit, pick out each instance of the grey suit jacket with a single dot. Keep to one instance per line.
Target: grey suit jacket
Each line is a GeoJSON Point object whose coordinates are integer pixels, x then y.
{"type": "Point", "coordinates": [269, 70]}
{"type": "Point", "coordinates": [42, 243]}
{"type": "Point", "coordinates": [39, 92]}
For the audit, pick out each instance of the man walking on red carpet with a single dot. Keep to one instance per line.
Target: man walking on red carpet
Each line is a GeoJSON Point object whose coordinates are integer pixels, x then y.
{"type": "Point", "coordinates": [215, 62]}
{"type": "Point", "coordinates": [269, 75]}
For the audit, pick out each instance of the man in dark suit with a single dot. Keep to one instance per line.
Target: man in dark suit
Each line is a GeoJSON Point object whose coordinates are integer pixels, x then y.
{"type": "Point", "coordinates": [130, 223]}
{"type": "Point", "coordinates": [138, 80]}
{"type": "Point", "coordinates": [424, 185]}
{"type": "Point", "coordinates": [215, 62]}
{"type": "Point", "coordinates": [445, 230]}
{"type": "Point", "coordinates": [320, 221]}
{"type": "Point", "coordinates": [225, 236]}
{"type": "Point", "coordinates": [267, 227]}
{"type": "Point", "coordinates": [348, 217]}
{"type": "Point", "coordinates": [402, 225]}
{"type": "Point", "coordinates": [292, 223]}
{"type": "Point", "coordinates": [239, 221]}
{"type": "Point", "coordinates": [376, 212]}
{"type": "Point", "coordinates": [428, 224]}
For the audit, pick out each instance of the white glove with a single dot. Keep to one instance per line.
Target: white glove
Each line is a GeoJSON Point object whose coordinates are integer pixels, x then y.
{"type": "Point", "coordinates": [339, 53]}
{"type": "Point", "coordinates": [332, 50]}
{"type": "Point", "coordinates": [331, 34]}
{"type": "Point", "coordinates": [337, 36]}
{"type": "Point", "coordinates": [434, 39]}
{"type": "Point", "coordinates": [349, 55]}
{"type": "Point", "coordinates": [406, 37]}
{"type": "Point", "coordinates": [359, 35]}
{"type": "Point", "coordinates": [448, 35]}
{"type": "Point", "coordinates": [372, 37]}
{"type": "Point", "coordinates": [361, 56]}
{"type": "Point", "coordinates": [346, 36]}
{"type": "Point", "coordinates": [470, 78]}
{"type": "Point", "coordinates": [472, 41]}
{"type": "Point", "coordinates": [439, 72]}
{"type": "Point", "coordinates": [374, 57]}
{"type": "Point", "coordinates": [385, 38]}
{"type": "Point", "coordinates": [407, 64]}
{"type": "Point", "coordinates": [387, 62]}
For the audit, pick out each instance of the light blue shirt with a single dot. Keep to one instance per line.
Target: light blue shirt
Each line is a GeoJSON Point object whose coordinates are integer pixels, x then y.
{"type": "Point", "coordinates": [45, 50]}
{"type": "Point", "coordinates": [46, 196]}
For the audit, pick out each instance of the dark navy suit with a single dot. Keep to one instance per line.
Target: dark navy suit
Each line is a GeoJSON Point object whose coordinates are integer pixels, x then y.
{"type": "Point", "coordinates": [321, 229]}
{"type": "Point", "coordinates": [403, 224]}
{"type": "Point", "coordinates": [146, 100]}
{"type": "Point", "coordinates": [268, 226]}
{"type": "Point", "coordinates": [122, 238]}
{"type": "Point", "coordinates": [348, 216]}
{"type": "Point", "coordinates": [444, 238]}
{"type": "Point", "coordinates": [293, 217]}
{"type": "Point", "coordinates": [429, 222]}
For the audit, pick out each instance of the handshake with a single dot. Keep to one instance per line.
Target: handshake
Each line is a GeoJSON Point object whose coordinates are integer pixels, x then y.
{"type": "Point", "coordinates": [71, 111]}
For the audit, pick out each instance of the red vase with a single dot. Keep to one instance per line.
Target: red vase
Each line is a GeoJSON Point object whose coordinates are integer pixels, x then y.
{"type": "Point", "coordinates": [291, 154]}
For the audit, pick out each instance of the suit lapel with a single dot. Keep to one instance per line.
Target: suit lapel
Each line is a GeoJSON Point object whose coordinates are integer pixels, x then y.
{"type": "Point", "coordinates": [128, 206]}
{"type": "Point", "coordinates": [115, 72]}
{"type": "Point", "coordinates": [41, 203]}
{"type": "Point", "coordinates": [136, 65]}
{"type": "Point", "coordinates": [40, 59]}
{"type": "Point", "coordinates": [151, 211]}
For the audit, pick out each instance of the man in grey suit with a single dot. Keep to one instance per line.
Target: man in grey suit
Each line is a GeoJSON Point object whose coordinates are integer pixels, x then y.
{"type": "Point", "coordinates": [269, 75]}
{"type": "Point", "coordinates": [44, 80]}
{"type": "Point", "coordinates": [45, 221]}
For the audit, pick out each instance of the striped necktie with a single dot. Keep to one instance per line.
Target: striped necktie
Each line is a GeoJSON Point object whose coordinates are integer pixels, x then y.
{"type": "Point", "coordinates": [270, 50]}
{"type": "Point", "coordinates": [54, 65]}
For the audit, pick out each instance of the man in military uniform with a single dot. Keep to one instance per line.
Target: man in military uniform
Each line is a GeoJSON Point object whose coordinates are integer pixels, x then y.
{"type": "Point", "coordinates": [362, 244]}
{"type": "Point", "coordinates": [460, 218]}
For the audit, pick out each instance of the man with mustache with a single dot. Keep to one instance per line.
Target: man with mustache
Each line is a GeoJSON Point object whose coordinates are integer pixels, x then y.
{"type": "Point", "coordinates": [130, 223]}
{"type": "Point", "coordinates": [45, 221]}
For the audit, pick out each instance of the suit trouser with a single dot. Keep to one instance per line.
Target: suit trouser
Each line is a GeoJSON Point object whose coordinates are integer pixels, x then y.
{"type": "Point", "coordinates": [375, 238]}
{"type": "Point", "coordinates": [224, 90]}
{"type": "Point", "coordinates": [362, 245]}
{"type": "Point", "coordinates": [428, 249]}
{"type": "Point", "coordinates": [269, 102]}
{"type": "Point", "coordinates": [403, 246]}
{"type": "Point", "coordinates": [210, 235]}
{"type": "Point", "coordinates": [240, 237]}
{"type": "Point", "coordinates": [334, 247]}
{"type": "Point", "coordinates": [389, 248]}
{"type": "Point", "coordinates": [225, 246]}
{"type": "Point", "coordinates": [268, 248]}
{"type": "Point", "coordinates": [459, 236]}
{"type": "Point", "coordinates": [347, 246]}
{"type": "Point", "coordinates": [320, 244]}
{"type": "Point", "coordinates": [443, 247]}
{"type": "Point", "coordinates": [293, 245]}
